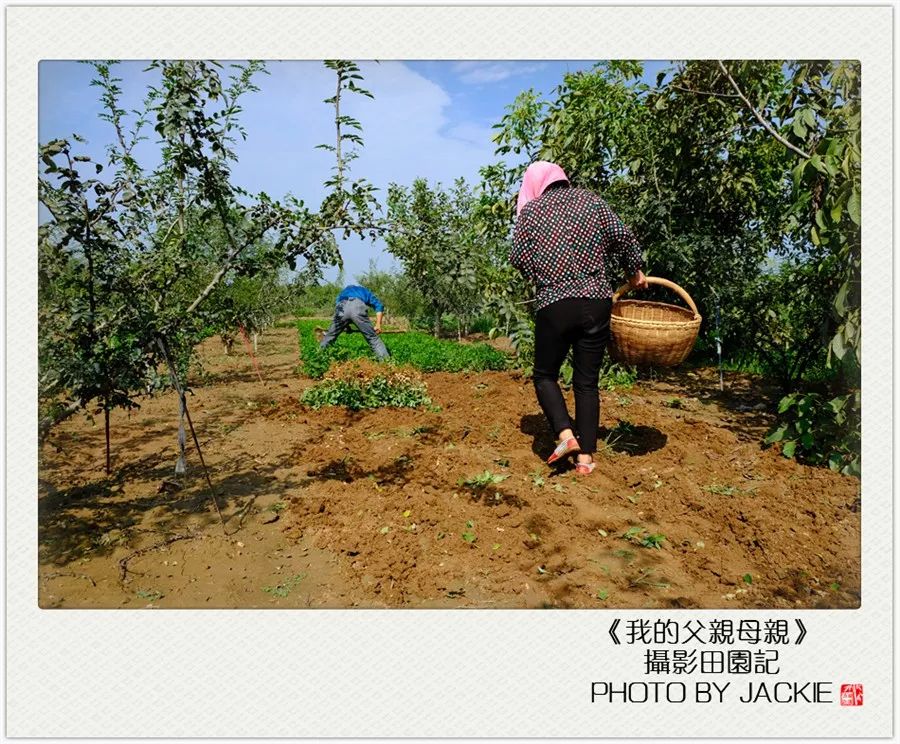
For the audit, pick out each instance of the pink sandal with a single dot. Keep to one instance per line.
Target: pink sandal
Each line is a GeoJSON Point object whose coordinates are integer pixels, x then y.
{"type": "Point", "coordinates": [585, 468]}
{"type": "Point", "coordinates": [565, 448]}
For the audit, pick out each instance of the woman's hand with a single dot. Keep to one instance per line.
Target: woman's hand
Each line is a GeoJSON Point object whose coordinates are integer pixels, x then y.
{"type": "Point", "coordinates": [638, 281]}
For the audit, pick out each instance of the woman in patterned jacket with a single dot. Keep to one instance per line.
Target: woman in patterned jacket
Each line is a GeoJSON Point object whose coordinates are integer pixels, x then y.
{"type": "Point", "coordinates": [569, 244]}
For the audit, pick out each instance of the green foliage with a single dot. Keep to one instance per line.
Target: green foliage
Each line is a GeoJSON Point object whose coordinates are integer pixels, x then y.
{"type": "Point", "coordinates": [615, 376]}
{"type": "Point", "coordinates": [820, 431]}
{"type": "Point", "coordinates": [316, 300]}
{"type": "Point", "coordinates": [791, 325]}
{"type": "Point", "coordinates": [401, 295]}
{"type": "Point", "coordinates": [434, 234]}
{"type": "Point", "coordinates": [822, 107]}
{"type": "Point", "coordinates": [388, 388]}
{"type": "Point", "coordinates": [418, 350]}
{"type": "Point", "coordinates": [644, 538]}
{"type": "Point", "coordinates": [131, 259]}
{"type": "Point", "coordinates": [482, 480]}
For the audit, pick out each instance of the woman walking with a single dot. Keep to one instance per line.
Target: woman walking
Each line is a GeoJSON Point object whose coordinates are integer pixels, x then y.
{"type": "Point", "coordinates": [570, 245]}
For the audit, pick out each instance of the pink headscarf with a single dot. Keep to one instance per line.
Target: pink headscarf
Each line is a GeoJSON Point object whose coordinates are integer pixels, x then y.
{"type": "Point", "coordinates": [538, 176]}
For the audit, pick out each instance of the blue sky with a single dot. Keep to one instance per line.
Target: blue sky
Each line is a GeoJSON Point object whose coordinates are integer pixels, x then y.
{"type": "Point", "coordinates": [428, 118]}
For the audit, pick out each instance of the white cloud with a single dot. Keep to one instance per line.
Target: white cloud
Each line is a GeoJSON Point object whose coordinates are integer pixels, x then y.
{"type": "Point", "coordinates": [493, 72]}
{"type": "Point", "coordinates": [407, 132]}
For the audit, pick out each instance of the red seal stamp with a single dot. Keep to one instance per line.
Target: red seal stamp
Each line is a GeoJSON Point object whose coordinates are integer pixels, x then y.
{"type": "Point", "coordinates": [851, 694]}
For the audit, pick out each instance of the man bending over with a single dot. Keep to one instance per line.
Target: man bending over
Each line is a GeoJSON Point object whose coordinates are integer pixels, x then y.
{"type": "Point", "coordinates": [353, 307]}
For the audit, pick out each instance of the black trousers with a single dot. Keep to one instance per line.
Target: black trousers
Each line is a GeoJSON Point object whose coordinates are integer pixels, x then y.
{"type": "Point", "coordinates": [582, 325]}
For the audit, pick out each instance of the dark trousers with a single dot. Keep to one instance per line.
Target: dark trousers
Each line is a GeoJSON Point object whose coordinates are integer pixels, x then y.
{"type": "Point", "coordinates": [582, 325]}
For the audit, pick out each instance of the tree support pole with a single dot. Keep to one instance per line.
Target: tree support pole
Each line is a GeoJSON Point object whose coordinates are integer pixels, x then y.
{"type": "Point", "coordinates": [184, 409]}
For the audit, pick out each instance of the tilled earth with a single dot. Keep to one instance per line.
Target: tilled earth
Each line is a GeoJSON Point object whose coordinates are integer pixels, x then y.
{"type": "Point", "coordinates": [386, 508]}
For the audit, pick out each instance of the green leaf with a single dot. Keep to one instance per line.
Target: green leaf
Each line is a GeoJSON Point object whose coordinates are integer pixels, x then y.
{"type": "Point", "coordinates": [777, 435]}
{"type": "Point", "coordinates": [853, 207]}
{"type": "Point", "coordinates": [786, 402]}
{"type": "Point", "coordinates": [469, 537]}
{"type": "Point", "coordinates": [788, 449]}
{"type": "Point", "coordinates": [602, 594]}
{"type": "Point", "coordinates": [837, 346]}
{"type": "Point", "coordinates": [748, 579]}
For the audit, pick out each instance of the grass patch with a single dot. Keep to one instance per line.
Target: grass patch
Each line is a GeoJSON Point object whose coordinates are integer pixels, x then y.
{"type": "Point", "coordinates": [414, 349]}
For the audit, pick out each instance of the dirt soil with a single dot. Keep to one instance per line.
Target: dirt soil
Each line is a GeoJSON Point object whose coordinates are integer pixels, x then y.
{"type": "Point", "coordinates": [332, 508]}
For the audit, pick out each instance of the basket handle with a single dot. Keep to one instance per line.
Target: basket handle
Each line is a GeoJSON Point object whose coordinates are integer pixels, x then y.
{"type": "Point", "coordinates": [625, 288]}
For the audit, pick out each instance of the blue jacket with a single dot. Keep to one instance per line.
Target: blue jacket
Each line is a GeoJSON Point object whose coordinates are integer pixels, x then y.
{"type": "Point", "coordinates": [354, 291]}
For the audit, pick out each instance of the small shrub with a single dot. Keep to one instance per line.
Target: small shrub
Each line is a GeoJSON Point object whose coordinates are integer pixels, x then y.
{"type": "Point", "coordinates": [482, 480]}
{"type": "Point", "coordinates": [617, 376]}
{"type": "Point", "coordinates": [645, 539]}
{"type": "Point", "coordinates": [820, 431]}
{"type": "Point", "coordinates": [359, 384]}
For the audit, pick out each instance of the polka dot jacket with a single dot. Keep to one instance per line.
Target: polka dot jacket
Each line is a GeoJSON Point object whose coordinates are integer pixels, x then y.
{"type": "Point", "coordinates": [569, 243]}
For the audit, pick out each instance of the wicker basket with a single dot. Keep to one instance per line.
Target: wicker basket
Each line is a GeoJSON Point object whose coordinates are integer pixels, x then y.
{"type": "Point", "coordinates": [655, 333]}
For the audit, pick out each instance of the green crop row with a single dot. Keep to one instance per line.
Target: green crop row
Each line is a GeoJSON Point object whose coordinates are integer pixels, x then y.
{"type": "Point", "coordinates": [418, 350]}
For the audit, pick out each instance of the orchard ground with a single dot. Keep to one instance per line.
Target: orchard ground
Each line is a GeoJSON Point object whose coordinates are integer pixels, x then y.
{"type": "Point", "coordinates": [333, 508]}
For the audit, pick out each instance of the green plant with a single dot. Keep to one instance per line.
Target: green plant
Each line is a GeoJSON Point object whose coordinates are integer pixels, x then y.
{"type": "Point", "coordinates": [357, 387]}
{"type": "Point", "coordinates": [469, 535]}
{"type": "Point", "coordinates": [483, 480]}
{"type": "Point", "coordinates": [435, 236]}
{"type": "Point", "coordinates": [616, 376]}
{"type": "Point", "coordinates": [645, 539]}
{"type": "Point", "coordinates": [151, 595]}
{"type": "Point", "coordinates": [820, 431]}
{"type": "Point", "coordinates": [284, 588]}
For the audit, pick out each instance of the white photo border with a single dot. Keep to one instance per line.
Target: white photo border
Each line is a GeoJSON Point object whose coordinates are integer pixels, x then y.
{"type": "Point", "coordinates": [242, 673]}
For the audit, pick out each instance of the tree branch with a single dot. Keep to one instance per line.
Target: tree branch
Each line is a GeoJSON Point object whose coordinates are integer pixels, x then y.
{"type": "Point", "coordinates": [766, 125]}
{"type": "Point", "coordinates": [703, 92]}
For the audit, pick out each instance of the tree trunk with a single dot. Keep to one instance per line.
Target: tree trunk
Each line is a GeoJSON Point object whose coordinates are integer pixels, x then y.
{"type": "Point", "coordinates": [106, 426]}
{"type": "Point", "coordinates": [437, 325]}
